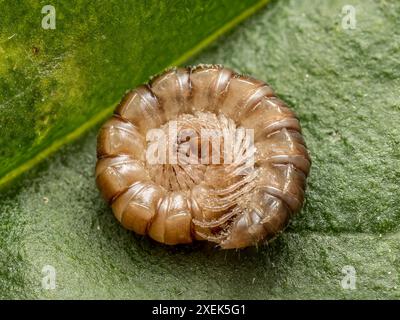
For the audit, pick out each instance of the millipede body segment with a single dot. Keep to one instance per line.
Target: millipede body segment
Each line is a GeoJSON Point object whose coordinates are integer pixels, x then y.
{"type": "Point", "coordinates": [203, 153]}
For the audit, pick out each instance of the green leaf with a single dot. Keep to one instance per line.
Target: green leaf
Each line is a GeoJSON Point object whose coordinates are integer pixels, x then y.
{"type": "Point", "coordinates": [343, 84]}
{"type": "Point", "coordinates": [56, 83]}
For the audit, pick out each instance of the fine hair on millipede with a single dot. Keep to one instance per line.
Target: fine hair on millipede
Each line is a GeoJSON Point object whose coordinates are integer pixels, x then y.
{"type": "Point", "coordinates": [180, 185]}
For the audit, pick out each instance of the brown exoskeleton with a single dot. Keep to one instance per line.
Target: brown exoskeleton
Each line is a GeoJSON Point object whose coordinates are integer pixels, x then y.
{"type": "Point", "coordinates": [195, 193]}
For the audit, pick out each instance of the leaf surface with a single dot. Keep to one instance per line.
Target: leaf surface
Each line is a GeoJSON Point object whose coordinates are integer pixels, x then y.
{"type": "Point", "coordinates": [343, 84]}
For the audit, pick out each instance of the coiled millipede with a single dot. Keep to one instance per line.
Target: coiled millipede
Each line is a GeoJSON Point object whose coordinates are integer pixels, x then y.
{"type": "Point", "coordinates": [177, 185]}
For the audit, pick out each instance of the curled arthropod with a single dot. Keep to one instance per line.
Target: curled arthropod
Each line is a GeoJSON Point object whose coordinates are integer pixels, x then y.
{"type": "Point", "coordinates": [203, 153]}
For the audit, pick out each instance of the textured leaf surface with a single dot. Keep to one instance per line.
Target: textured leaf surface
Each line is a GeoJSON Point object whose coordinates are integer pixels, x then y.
{"type": "Point", "coordinates": [343, 84]}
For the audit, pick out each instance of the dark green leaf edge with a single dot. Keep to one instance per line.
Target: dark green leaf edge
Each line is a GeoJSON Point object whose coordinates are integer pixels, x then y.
{"type": "Point", "coordinates": [99, 117]}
